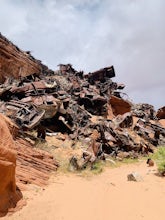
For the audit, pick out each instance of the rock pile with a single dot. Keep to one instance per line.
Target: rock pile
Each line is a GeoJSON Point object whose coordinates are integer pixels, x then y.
{"type": "Point", "coordinates": [80, 105]}
{"type": "Point", "coordinates": [87, 107]}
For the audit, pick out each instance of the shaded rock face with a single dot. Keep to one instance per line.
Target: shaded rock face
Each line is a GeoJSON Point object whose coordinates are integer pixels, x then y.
{"type": "Point", "coordinates": [14, 62]}
{"type": "Point", "coordinates": [161, 113]}
{"type": "Point", "coordinates": [8, 194]}
{"type": "Point", "coordinates": [119, 106]}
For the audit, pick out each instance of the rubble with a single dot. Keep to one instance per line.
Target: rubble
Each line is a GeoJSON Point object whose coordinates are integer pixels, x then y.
{"type": "Point", "coordinates": [144, 111]}
{"type": "Point", "coordinates": [78, 104]}
{"type": "Point", "coordinates": [25, 115]}
{"type": "Point", "coordinates": [101, 75]}
{"type": "Point", "coordinates": [33, 165]}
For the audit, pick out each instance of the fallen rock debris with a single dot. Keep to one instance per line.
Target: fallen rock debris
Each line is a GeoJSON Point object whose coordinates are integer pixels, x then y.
{"type": "Point", "coordinates": [82, 106]}
{"type": "Point", "coordinates": [66, 101]}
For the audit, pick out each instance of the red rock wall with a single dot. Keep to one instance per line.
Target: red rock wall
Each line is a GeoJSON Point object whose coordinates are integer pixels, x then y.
{"type": "Point", "coordinates": [33, 165]}
{"type": "Point", "coordinates": [7, 167]}
{"type": "Point", "coordinates": [14, 62]}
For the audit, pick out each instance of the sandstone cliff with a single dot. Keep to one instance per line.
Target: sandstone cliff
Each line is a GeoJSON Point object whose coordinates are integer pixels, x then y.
{"type": "Point", "coordinates": [16, 63]}
{"type": "Point", "coordinates": [8, 194]}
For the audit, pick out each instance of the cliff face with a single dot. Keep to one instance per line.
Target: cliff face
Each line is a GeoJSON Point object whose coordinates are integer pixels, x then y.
{"type": "Point", "coordinates": [14, 62]}
{"type": "Point", "coordinates": [7, 167]}
{"type": "Point", "coordinates": [33, 165]}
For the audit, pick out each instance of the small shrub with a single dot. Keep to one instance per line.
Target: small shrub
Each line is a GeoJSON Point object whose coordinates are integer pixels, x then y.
{"type": "Point", "coordinates": [97, 167]}
{"type": "Point", "coordinates": [161, 167]}
{"type": "Point", "coordinates": [159, 157]}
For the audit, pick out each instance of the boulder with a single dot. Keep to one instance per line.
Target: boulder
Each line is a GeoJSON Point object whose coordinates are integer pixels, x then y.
{"type": "Point", "coordinates": [134, 176]}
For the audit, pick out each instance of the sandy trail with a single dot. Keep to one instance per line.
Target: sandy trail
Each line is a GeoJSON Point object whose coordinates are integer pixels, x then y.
{"type": "Point", "coordinates": [102, 197]}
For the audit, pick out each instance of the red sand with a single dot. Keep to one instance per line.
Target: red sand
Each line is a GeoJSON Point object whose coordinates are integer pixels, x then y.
{"type": "Point", "coordinates": [102, 197]}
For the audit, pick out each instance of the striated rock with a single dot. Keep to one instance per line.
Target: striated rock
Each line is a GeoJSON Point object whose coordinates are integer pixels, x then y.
{"type": "Point", "coordinates": [9, 196]}
{"type": "Point", "coordinates": [14, 62]}
{"type": "Point", "coordinates": [33, 165]}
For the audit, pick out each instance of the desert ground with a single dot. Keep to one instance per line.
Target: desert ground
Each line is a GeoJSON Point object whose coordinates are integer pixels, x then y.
{"type": "Point", "coordinates": [100, 197]}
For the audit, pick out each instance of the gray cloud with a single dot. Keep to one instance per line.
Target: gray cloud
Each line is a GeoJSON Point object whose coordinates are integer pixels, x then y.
{"type": "Point", "coordinates": [92, 34]}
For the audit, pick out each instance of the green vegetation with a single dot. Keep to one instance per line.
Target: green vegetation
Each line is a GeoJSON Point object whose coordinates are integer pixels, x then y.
{"type": "Point", "coordinates": [129, 161]}
{"type": "Point", "coordinates": [89, 171]}
{"type": "Point", "coordinates": [98, 167]}
{"type": "Point", "coordinates": [159, 157]}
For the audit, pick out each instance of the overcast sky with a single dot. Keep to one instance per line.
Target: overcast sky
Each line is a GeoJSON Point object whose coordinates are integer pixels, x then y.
{"type": "Point", "coordinates": [91, 34]}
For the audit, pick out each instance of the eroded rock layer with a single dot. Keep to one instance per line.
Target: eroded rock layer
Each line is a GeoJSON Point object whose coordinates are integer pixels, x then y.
{"type": "Point", "coordinates": [33, 166]}
{"type": "Point", "coordinates": [15, 63]}
{"type": "Point", "coordinates": [8, 194]}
